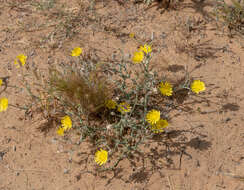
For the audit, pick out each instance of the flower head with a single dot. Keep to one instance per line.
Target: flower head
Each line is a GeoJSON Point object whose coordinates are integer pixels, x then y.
{"type": "Point", "coordinates": [3, 104]}
{"type": "Point", "coordinates": [153, 117]}
{"type": "Point", "coordinates": [101, 157]}
{"type": "Point", "coordinates": [66, 123]}
{"type": "Point", "coordinates": [138, 57]}
{"type": "Point", "coordinates": [146, 49]}
{"type": "Point", "coordinates": [124, 107]}
{"type": "Point", "coordinates": [1, 82]}
{"type": "Point", "coordinates": [159, 126]}
{"type": "Point", "coordinates": [20, 59]}
{"type": "Point", "coordinates": [166, 89]}
{"type": "Point", "coordinates": [110, 104]}
{"type": "Point", "coordinates": [76, 52]}
{"type": "Point", "coordinates": [131, 35]}
{"type": "Point", "coordinates": [60, 131]}
{"type": "Point", "coordinates": [197, 86]}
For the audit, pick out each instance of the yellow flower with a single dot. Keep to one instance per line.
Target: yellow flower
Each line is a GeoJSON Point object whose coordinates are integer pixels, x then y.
{"type": "Point", "coordinates": [159, 126]}
{"type": "Point", "coordinates": [101, 157]}
{"type": "Point", "coordinates": [76, 52]}
{"type": "Point", "coordinates": [1, 82]}
{"type": "Point", "coordinates": [124, 107]}
{"type": "Point", "coordinates": [3, 104]}
{"type": "Point", "coordinates": [110, 104]}
{"type": "Point", "coordinates": [60, 131]}
{"type": "Point", "coordinates": [66, 123]}
{"type": "Point", "coordinates": [166, 89]}
{"type": "Point", "coordinates": [20, 59]}
{"type": "Point", "coordinates": [197, 86]}
{"type": "Point", "coordinates": [146, 49]}
{"type": "Point", "coordinates": [138, 57]}
{"type": "Point", "coordinates": [131, 35]}
{"type": "Point", "coordinates": [153, 116]}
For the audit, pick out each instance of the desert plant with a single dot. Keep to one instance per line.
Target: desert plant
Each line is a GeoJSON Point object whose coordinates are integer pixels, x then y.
{"type": "Point", "coordinates": [231, 16]}
{"type": "Point", "coordinates": [116, 105]}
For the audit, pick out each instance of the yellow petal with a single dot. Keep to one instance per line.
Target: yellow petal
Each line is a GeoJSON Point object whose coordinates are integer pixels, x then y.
{"type": "Point", "coordinates": [3, 104]}
{"type": "Point", "coordinates": [76, 52]}
{"type": "Point", "coordinates": [60, 131]}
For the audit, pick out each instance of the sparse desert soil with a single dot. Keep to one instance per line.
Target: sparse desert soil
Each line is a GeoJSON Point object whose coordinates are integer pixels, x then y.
{"type": "Point", "coordinates": [206, 151]}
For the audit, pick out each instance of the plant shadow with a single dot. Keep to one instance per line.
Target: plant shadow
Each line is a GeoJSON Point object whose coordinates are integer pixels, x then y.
{"type": "Point", "coordinates": [175, 145]}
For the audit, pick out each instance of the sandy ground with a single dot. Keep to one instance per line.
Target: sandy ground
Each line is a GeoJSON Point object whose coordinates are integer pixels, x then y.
{"type": "Point", "coordinates": [207, 147]}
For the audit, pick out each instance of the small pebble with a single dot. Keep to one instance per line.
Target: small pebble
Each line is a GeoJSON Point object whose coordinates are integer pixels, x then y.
{"type": "Point", "coordinates": [66, 171]}
{"type": "Point", "coordinates": [54, 140]}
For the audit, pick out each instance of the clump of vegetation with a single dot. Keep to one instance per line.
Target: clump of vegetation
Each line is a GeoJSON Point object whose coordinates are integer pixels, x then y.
{"type": "Point", "coordinates": [90, 93]}
{"type": "Point", "coordinates": [117, 106]}
{"type": "Point", "coordinates": [231, 16]}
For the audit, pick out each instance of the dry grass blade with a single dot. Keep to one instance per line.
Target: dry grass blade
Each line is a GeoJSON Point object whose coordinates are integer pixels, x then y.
{"type": "Point", "coordinates": [90, 93]}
